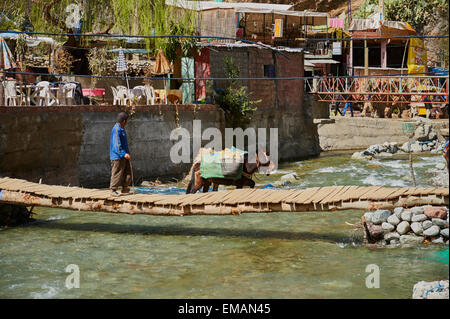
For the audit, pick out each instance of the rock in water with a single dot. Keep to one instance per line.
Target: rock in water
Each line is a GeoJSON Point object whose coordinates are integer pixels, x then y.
{"type": "Point", "coordinates": [387, 226]}
{"type": "Point", "coordinates": [419, 218]}
{"type": "Point", "coordinates": [391, 236]}
{"type": "Point", "coordinates": [444, 232]}
{"type": "Point", "coordinates": [406, 215]}
{"type": "Point", "coordinates": [403, 227]}
{"type": "Point", "coordinates": [442, 223]}
{"type": "Point", "coordinates": [427, 224]}
{"type": "Point", "coordinates": [394, 220]}
{"type": "Point", "coordinates": [439, 240]}
{"type": "Point", "coordinates": [436, 212]}
{"type": "Point", "coordinates": [411, 240]}
{"type": "Point", "coordinates": [416, 148]}
{"type": "Point", "coordinates": [291, 176]}
{"type": "Point", "coordinates": [432, 231]}
{"type": "Point", "coordinates": [417, 228]}
{"type": "Point", "coordinates": [380, 216]}
{"type": "Point", "coordinates": [368, 217]}
{"type": "Point", "coordinates": [441, 166]}
{"type": "Point", "coordinates": [417, 210]}
{"type": "Point", "coordinates": [398, 211]}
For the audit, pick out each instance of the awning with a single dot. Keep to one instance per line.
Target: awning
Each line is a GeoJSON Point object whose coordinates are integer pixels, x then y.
{"type": "Point", "coordinates": [322, 61]}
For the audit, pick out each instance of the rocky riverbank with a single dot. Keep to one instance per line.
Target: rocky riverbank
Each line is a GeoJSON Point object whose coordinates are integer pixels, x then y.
{"type": "Point", "coordinates": [425, 139]}
{"type": "Point", "coordinates": [418, 225]}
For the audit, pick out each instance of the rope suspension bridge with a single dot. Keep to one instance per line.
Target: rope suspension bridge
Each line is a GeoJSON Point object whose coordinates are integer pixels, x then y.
{"type": "Point", "coordinates": [227, 202]}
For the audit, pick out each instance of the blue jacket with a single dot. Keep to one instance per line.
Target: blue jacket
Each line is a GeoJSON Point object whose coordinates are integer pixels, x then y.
{"type": "Point", "coordinates": [118, 145]}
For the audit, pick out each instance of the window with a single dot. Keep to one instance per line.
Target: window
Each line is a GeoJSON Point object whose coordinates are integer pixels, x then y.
{"type": "Point", "coordinates": [269, 71]}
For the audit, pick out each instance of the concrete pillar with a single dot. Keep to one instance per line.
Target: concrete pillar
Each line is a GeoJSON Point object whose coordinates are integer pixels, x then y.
{"type": "Point", "coordinates": [384, 54]}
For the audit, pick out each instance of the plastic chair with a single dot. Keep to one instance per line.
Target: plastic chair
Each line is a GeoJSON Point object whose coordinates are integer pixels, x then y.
{"type": "Point", "coordinates": [116, 99]}
{"type": "Point", "coordinates": [11, 93]}
{"type": "Point", "coordinates": [69, 93]}
{"type": "Point", "coordinates": [123, 95]}
{"type": "Point", "coordinates": [150, 94]}
{"type": "Point", "coordinates": [44, 93]}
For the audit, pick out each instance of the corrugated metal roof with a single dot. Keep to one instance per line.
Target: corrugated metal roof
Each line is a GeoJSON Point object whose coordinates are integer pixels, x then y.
{"type": "Point", "coordinates": [239, 44]}
{"type": "Point", "coordinates": [206, 5]}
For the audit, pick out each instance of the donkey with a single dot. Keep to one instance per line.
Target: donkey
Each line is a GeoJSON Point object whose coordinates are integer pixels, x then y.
{"type": "Point", "coordinates": [197, 182]}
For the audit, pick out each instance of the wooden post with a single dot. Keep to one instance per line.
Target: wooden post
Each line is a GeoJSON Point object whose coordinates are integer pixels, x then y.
{"type": "Point", "coordinates": [366, 58]}
{"type": "Point", "coordinates": [384, 53]}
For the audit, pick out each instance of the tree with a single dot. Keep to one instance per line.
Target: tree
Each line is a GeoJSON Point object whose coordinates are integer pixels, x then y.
{"type": "Point", "coordinates": [235, 100]}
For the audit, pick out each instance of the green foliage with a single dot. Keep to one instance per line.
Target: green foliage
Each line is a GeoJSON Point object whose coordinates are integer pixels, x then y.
{"type": "Point", "coordinates": [136, 17]}
{"type": "Point", "coordinates": [366, 9]}
{"type": "Point", "coordinates": [418, 13]}
{"type": "Point", "coordinates": [235, 100]}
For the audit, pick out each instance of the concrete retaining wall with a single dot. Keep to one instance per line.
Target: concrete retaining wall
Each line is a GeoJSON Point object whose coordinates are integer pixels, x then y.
{"type": "Point", "coordinates": [348, 133]}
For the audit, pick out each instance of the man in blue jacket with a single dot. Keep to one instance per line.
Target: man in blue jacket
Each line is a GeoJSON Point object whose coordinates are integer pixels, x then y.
{"type": "Point", "coordinates": [120, 156]}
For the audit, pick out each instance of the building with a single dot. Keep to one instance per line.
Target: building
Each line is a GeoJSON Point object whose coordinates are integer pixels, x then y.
{"type": "Point", "coordinates": [385, 56]}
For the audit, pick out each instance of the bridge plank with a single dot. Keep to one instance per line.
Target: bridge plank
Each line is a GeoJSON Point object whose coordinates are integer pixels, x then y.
{"type": "Point", "coordinates": [349, 193]}
{"type": "Point", "coordinates": [370, 191]}
{"type": "Point", "coordinates": [282, 195]}
{"type": "Point", "coordinates": [398, 193]}
{"type": "Point", "coordinates": [260, 195]}
{"type": "Point", "coordinates": [336, 196]}
{"type": "Point", "coordinates": [241, 197]}
{"type": "Point", "coordinates": [215, 196]}
{"type": "Point", "coordinates": [307, 194]}
{"type": "Point", "coordinates": [203, 200]}
{"type": "Point", "coordinates": [324, 192]}
{"type": "Point", "coordinates": [381, 193]}
{"type": "Point", "coordinates": [237, 195]}
{"type": "Point", "coordinates": [222, 195]}
{"type": "Point", "coordinates": [335, 190]}
{"type": "Point", "coordinates": [295, 193]}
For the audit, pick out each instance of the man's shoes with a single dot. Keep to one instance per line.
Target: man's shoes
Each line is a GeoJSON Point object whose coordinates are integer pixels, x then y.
{"type": "Point", "coordinates": [114, 193]}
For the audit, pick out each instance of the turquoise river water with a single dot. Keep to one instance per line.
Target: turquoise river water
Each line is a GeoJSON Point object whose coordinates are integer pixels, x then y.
{"type": "Point", "coordinates": [277, 255]}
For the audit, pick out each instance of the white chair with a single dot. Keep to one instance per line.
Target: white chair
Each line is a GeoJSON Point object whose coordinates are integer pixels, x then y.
{"type": "Point", "coordinates": [69, 93]}
{"type": "Point", "coordinates": [116, 99]}
{"type": "Point", "coordinates": [123, 95]}
{"type": "Point", "coordinates": [150, 94]}
{"type": "Point", "coordinates": [44, 93]}
{"type": "Point", "coordinates": [11, 97]}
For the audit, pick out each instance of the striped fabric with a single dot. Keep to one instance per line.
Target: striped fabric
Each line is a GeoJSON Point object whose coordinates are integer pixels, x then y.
{"type": "Point", "coordinates": [6, 58]}
{"type": "Point", "coordinates": [121, 63]}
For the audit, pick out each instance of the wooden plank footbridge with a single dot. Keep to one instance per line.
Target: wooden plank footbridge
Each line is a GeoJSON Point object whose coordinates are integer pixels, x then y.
{"type": "Point", "coordinates": [329, 198]}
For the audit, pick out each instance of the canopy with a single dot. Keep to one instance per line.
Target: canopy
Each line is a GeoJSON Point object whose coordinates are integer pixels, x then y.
{"type": "Point", "coordinates": [376, 24]}
{"type": "Point", "coordinates": [6, 58]}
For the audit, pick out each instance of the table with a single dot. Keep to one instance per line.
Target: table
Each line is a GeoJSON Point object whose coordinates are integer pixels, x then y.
{"type": "Point", "coordinates": [94, 92]}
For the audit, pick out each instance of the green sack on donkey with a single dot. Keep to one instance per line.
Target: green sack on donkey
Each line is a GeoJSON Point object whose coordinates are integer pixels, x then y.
{"type": "Point", "coordinates": [228, 164]}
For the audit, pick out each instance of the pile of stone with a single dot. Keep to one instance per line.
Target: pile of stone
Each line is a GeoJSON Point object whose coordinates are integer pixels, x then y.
{"type": "Point", "coordinates": [407, 226]}
{"type": "Point", "coordinates": [431, 290]}
{"type": "Point", "coordinates": [425, 140]}
{"type": "Point", "coordinates": [439, 175]}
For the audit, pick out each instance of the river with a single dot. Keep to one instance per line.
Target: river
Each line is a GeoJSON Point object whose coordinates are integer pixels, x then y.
{"type": "Point", "coordinates": [276, 255]}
